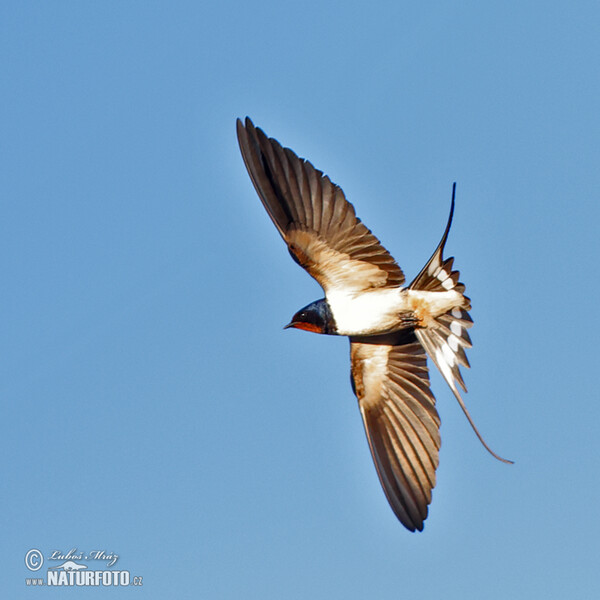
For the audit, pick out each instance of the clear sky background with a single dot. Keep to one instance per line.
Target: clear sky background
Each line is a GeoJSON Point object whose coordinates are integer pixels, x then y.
{"type": "Point", "coordinates": [153, 406]}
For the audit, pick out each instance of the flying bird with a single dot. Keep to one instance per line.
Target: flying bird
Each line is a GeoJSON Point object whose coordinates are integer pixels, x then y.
{"type": "Point", "coordinates": [392, 327]}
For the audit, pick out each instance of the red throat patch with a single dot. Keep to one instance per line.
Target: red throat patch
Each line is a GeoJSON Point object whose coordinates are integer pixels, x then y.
{"type": "Point", "coordinates": [307, 327]}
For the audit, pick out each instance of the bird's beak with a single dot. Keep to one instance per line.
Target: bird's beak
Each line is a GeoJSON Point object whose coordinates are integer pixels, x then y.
{"type": "Point", "coordinates": [292, 324]}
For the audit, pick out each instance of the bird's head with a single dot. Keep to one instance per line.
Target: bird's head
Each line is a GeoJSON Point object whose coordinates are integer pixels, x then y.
{"type": "Point", "coordinates": [315, 317]}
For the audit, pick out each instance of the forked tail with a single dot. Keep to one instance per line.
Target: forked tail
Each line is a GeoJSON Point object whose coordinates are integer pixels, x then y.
{"type": "Point", "coordinates": [446, 339]}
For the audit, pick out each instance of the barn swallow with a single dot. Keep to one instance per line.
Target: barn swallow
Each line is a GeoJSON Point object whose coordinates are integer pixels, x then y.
{"type": "Point", "coordinates": [392, 327]}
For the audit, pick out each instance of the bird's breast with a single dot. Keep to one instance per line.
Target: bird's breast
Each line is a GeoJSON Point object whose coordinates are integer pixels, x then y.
{"type": "Point", "coordinates": [367, 313]}
{"type": "Point", "coordinates": [388, 309]}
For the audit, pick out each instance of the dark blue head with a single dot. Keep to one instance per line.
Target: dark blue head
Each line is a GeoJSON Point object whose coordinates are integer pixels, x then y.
{"type": "Point", "coordinates": [315, 317]}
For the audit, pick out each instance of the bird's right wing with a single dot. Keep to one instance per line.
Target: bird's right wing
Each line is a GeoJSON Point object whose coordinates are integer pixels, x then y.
{"type": "Point", "coordinates": [391, 381]}
{"type": "Point", "coordinates": [318, 224]}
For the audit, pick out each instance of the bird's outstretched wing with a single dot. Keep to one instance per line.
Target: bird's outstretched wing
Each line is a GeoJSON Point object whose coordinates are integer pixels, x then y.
{"type": "Point", "coordinates": [391, 381]}
{"type": "Point", "coordinates": [318, 224]}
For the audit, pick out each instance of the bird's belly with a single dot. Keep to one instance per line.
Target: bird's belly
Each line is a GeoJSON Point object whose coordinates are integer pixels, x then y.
{"type": "Point", "coordinates": [367, 313]}
{"type": "Point", "coordinates": [389, 309]}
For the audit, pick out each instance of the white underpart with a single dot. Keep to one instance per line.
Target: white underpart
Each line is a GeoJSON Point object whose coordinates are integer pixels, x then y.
{"type": "Point", "coordinates": [366, 313]}
{"type": "Point", "coordinates": [379, 311]}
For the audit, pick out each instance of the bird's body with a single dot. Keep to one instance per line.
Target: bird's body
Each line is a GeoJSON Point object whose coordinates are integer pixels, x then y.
{"type": "Point", "coordinates": [389, 309]}
{"type": "Point", "coordinates": [392, 327]}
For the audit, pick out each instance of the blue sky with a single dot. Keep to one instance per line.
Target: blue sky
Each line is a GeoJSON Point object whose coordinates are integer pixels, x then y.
{"type": "Point", "coordinates": [152, 405]}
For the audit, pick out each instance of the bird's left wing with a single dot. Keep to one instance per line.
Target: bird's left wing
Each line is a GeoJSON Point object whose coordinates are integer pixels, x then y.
{"type": "Point", "coordinates": [318, 224]}
{"type": "Point", "coordinates": [391, 381]}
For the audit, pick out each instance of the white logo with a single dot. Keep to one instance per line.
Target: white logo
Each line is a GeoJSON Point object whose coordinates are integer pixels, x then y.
{"type": "Point", "coordinates": [72, 570]}
{"type": "Point", "coordinates": [34, 560]}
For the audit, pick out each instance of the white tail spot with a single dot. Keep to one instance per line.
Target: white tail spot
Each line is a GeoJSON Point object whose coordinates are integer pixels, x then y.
{"type": "Point", "coordinates": [453, 343]}
{"type": "Point", "coordinates": [448, 284]}
{"type": "Point", "coordinates": [448, 354]}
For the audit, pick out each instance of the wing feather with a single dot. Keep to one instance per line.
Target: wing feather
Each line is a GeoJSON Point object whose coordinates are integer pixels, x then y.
{"type": "Point", "coordinates": [314, 218]}
{"type": "Point", "coordinates": [391, 381]}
